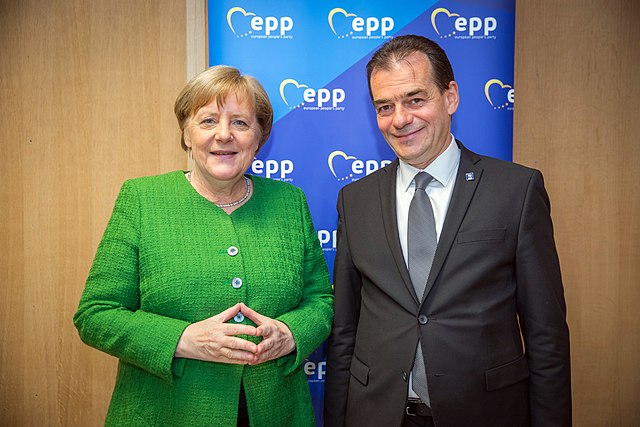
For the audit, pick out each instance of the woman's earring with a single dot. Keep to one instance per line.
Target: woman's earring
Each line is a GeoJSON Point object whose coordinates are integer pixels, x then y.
{"type": "Point", "coordinates": [190, 154]}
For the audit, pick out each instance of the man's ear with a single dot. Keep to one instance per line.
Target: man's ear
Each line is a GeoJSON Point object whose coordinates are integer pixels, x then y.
{"type": "Point", "coordinates": [452, 97]}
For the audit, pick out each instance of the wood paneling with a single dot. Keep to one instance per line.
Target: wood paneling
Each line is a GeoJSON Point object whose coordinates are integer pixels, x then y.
{"type": "Point", "coordinates": [87, 91]}
{"type": "Point", "coordinates": [86, 95]}
{"type": "Point", "coordinates": [577, 118]}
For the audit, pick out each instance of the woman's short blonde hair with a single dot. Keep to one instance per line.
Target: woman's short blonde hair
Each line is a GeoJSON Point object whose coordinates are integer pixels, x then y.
{"type": "Point", "coordinates": [218, 83]}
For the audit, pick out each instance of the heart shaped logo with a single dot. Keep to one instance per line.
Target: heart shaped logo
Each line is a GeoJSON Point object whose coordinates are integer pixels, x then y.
{"type": "Point", "coordinates": [346, 15]}
{"type": "Point", "coordinates": [243, 12]}
{"type": "Point", "coordinates": [488, 85]}
{"type": "Point", "coordinates": [344, 167]}
{"type": "Point", "coordinates": [287, 82]}
{"type": "Point", "coordinates": [435, 13]}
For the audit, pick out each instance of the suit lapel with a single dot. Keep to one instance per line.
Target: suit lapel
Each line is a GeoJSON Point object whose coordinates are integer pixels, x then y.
{"type": "Point", "coordinates": [463, 192]}
{"type": "Point", "coordinates": [390, 220]}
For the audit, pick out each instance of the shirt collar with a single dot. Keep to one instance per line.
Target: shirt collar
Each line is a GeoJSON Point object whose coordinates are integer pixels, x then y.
{"type": "Point", "coordinates": [441, 169]}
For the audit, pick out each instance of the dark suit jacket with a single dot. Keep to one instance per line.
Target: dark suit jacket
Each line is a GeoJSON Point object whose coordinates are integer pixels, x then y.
{"type": "Point", "coordinates": [496, 344]}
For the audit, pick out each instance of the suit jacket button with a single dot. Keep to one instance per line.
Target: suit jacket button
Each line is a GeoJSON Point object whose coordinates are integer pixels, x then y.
{"type": "Point", "coordinates": [232, 251]}
{"type": "Point", "coordinates": [404, 376]}
{"type": "Point", "coordinates": [422, 319]}
{"type": "Point", "coordinates": [239, 317]}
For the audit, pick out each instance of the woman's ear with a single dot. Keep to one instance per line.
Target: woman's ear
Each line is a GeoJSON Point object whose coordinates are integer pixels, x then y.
{"type": "Point", "coordinates": [186, 137]}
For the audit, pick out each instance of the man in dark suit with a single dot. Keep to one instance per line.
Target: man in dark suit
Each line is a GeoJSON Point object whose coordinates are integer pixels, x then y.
{"type": "Point", "coordinates": [481, 339]}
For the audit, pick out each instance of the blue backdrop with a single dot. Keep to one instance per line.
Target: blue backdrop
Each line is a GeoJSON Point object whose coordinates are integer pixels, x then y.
{"type": "Point", "coordinates": [310, 56]}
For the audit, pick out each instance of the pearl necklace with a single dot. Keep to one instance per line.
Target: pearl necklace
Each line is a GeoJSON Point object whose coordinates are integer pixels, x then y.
{"type": "Point", "coordinates": [237, 202]}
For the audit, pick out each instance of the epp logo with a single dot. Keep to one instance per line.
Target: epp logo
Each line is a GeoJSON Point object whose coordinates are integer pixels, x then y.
{"type": "Point", "coordinates": [344, 167]}
{"type": "Point", "coordinates": [502, 92]}
{"type": "Point", "coordinates": [257, 26]}
{"type": "Point", "coordinates": [462, 28]}
{"type": "Point", "coordinates": [328, 239]}
{"type": "Point", "coordinates": [372, 27]}
{"type": "Point", "coordinates": [273, 168]}
{"type": "Point", "coordinates": [309, 98]}
{"type": "Point", "coordinates": [315, 371]}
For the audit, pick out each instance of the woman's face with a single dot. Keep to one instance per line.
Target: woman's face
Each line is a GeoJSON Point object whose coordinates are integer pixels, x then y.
{"type": "Point", "coordinates": [224, 140]}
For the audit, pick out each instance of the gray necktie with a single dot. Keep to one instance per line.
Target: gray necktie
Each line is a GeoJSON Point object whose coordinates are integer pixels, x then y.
{"type": "Point", "coordinates": [421, 241]}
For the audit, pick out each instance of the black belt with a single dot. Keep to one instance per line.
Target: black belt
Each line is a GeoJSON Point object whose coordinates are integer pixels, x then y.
{"type": "Point", "coordinates": [416, 407]}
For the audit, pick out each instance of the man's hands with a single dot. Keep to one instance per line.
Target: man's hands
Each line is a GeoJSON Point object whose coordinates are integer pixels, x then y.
{"type": "Point", "coordinates": [214, 340]}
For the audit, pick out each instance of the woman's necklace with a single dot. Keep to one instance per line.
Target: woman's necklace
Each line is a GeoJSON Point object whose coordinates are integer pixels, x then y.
{"type": "Point", "coordinates": [237, 202]}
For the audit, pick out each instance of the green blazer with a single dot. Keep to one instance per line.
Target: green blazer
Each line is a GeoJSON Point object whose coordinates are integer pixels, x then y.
{"type": "Point", "coordinates": [165, 261]}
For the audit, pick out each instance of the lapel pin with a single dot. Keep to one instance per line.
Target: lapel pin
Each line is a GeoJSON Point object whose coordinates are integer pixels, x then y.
{"type": "Point", "coordinates": [469, 176]}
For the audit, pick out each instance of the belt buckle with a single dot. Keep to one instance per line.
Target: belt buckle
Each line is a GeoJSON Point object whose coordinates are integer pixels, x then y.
{"type": "Point", "coordinates": [416, 407]}
{"type": "Point", "coordinates": [412, 403]}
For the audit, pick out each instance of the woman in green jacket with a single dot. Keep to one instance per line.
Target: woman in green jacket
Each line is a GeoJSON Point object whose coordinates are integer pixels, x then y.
{"type": "Point", "coordinates": [210, 286]}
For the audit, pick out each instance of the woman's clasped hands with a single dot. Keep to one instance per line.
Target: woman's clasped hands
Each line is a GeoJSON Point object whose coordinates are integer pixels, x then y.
{"type": "Point", "coordinates": [215, 340]}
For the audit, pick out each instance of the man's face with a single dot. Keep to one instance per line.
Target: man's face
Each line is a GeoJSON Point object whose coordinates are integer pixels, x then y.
{"type": "Point", "coordinates": [413, 116]}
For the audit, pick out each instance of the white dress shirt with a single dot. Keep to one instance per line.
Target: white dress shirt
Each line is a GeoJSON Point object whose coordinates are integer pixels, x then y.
{"type": "Point", "coordinates": [443, 170]}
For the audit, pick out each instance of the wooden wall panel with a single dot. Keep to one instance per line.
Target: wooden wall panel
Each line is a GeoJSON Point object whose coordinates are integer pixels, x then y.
{"type": "Point", "coordinates": [87, 91]}
{"type": "Point", "coordinates": [577, 118]}
{"type": "Point", "coordinates": [86, 95]}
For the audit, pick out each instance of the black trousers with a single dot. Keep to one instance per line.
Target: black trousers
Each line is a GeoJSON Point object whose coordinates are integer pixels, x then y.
{"type": "Point", "coordinates": [417, 421]}
{"type": "Point", "coordinates": [243, 416]}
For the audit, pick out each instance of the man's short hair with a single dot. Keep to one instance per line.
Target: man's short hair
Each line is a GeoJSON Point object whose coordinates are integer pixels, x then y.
{"type": "Point", "coordinates": [398, 48]}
